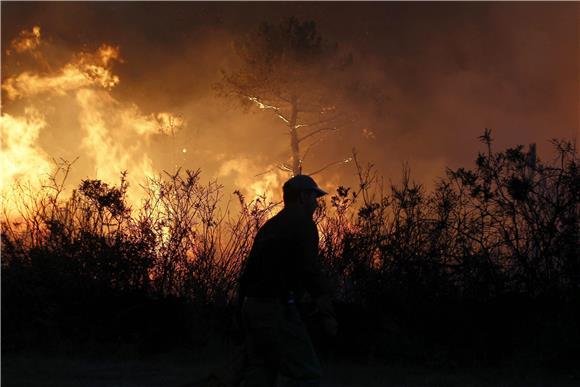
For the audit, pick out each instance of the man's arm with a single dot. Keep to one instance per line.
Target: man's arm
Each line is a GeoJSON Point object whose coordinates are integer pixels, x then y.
{"type": "Point", "coordinates": [310, 266]}
{"type": "Point", "coordinates": [315, 280]}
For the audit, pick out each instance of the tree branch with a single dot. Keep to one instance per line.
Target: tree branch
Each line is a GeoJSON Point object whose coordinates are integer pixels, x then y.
{"type": "Point", "coordinates": [282, 167]}
{"type": "Point", "coordinates": [281, 116]}
{"type": "Point", "coordinates": [322, 121]}
{"type": "Point", "coordinates": [310, 147]}
{"type": "Point", "coordinates": [316, 132]}
{"type": "Point", "coordinates": [262, 105]}
{"type": "Point", "coordinates": [345, 161]}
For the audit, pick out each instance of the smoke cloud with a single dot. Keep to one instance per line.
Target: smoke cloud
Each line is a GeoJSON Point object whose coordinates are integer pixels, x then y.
{"type": "Point", "coordinates": [444, 72]}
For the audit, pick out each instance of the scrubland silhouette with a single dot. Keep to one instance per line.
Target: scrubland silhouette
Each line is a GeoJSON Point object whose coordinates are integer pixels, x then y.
{"type": "Point", "coordinates": [483, 270]}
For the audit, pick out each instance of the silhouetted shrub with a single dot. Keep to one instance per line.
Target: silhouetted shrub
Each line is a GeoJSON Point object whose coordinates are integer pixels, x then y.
{"type": "Point", "coordinates": [481, 268]}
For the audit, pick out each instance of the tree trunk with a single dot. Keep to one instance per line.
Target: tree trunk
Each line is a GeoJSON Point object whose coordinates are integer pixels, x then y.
{"type": "Point", "coordinates": [294, 142]}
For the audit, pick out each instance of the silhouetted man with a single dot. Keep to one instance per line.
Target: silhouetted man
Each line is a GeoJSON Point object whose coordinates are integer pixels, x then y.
{"type": "Point", "coordinates": [282, 265]}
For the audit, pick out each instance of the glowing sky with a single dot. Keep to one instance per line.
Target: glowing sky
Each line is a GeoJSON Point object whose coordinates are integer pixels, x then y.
{"type": "Point", "coordinates": [446, 71]}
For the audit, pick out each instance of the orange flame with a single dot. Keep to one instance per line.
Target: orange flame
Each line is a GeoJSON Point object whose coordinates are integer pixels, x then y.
{"type": "Point", "coordinates": [21, 157]}
{"type": "Point", "coordinates": [267, 184]}
{"type": "Point", "coordinates": [115, 135]}
{"type": "Point", "coordinates": [87, 70]}
{"type": "Point", "coordinates": [26, 41]}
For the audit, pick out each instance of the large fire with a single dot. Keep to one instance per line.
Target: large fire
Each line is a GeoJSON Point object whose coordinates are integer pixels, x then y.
{"type": "Point", "coordinates": [114, 134]}
{"type": "Point", "coordinates": [21, 157]}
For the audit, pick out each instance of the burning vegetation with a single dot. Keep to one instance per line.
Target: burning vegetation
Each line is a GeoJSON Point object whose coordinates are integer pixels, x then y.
{"type": "Point", "coordinates": [149, 259]}
{"type": "Point", "coordinates": [113, 135]}
{"type": "Point", "coordinates": [498, 239]}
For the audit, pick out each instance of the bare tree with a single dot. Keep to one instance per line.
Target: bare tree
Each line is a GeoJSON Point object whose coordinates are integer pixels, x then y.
{"type": "Point", "coordinates": [290, 71]}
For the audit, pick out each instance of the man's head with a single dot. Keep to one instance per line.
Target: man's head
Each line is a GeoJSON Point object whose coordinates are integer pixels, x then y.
{"type": "Point", "coordinates": [304, 191]}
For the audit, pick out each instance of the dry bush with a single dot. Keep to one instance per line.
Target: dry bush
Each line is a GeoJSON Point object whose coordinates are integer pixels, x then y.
{"type": "Point", "coordinates": [198, 246]}
{"type": "Point", "coordinates": [510, 225]}
{"type": "Point", "coordinates": [501, 238]}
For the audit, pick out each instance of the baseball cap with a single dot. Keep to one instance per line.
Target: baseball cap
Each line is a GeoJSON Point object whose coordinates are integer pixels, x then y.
{"type": "Point", "coordinates": [303, 183]}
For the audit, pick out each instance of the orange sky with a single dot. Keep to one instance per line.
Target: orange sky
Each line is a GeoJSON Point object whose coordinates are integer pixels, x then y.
{"type": "Point", "coordinates": [446, 71]}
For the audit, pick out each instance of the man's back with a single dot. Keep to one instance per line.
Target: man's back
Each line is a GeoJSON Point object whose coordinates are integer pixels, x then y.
{"type": "Point", "coordinates": [284, 258]}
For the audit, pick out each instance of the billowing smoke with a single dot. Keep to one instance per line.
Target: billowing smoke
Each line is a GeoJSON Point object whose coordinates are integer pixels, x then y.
{"type": "Point", "coordinates": [138, 96]}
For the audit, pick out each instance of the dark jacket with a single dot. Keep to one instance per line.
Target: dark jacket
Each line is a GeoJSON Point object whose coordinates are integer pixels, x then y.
{"type": "Point", "coordinates": [284, 258]}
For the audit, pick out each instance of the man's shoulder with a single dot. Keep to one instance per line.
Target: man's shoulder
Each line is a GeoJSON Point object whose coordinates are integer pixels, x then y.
{"type": "Point", "coordinates": [288, 222]}
{"type": "Point", "coordinates": [274, 225]}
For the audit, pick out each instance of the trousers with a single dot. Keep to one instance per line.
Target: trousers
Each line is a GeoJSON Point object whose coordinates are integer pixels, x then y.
{"type": "Point", "coordinates": [278, 348]}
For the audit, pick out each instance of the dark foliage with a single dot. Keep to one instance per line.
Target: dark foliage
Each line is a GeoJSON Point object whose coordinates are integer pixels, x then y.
{"type": "Point", "coordinates": [482, 270]}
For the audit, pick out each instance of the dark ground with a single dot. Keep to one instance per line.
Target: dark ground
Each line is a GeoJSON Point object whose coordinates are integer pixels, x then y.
{"type": "Point", "coordinates": [183, 368]}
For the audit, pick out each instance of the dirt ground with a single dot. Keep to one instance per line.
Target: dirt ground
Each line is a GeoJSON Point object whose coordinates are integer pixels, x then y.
{"type": "Point", "coordinates": [183, 369]}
